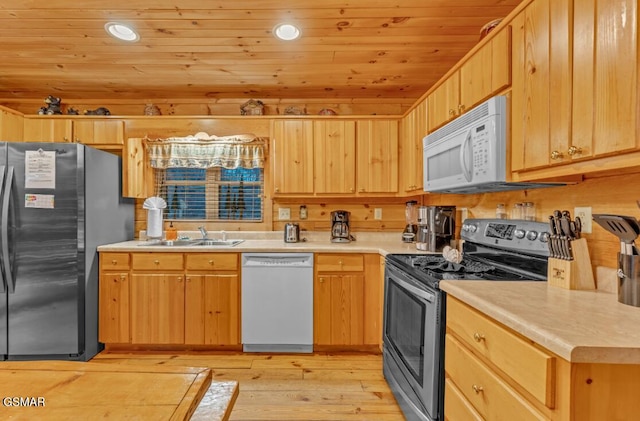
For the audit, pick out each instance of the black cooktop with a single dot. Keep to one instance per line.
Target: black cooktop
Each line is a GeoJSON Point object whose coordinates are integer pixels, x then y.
{"type": "Point", "coordinates": [434, 268]}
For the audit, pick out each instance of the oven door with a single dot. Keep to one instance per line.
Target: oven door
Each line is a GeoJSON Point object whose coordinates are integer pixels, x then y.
{"type": "Point", "coordinates": [413, 335]}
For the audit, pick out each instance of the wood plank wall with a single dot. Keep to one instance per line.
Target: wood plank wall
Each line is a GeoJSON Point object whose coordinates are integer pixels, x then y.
{"type": "Point", "coordinates": [612, 194]}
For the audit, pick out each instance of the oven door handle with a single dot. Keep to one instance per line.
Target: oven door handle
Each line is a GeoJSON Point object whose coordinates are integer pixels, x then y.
{"type": "Point", "coordinates": [466, 155]}
{"type": "Point", "coordinates": [416, 291]}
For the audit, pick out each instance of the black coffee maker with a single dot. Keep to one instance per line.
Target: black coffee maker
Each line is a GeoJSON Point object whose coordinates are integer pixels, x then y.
{"type": "Point", "coordinates": [340, 232]}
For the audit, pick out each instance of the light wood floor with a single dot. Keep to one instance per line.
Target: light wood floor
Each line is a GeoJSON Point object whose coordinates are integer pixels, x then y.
{"type": "Point", "coordinates": [301, 387]}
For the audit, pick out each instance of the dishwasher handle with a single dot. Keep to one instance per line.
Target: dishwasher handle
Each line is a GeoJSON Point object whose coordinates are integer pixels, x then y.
{"type": "Point", "coordinates": [277, 259]}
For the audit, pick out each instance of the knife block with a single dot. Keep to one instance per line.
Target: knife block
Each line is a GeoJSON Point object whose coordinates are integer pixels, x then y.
{"type": "Point", "coordinates": [572, 274]}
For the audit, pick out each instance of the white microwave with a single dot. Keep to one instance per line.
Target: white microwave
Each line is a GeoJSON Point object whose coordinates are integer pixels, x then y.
{"type": "Point", "coordinates": [469, 154]}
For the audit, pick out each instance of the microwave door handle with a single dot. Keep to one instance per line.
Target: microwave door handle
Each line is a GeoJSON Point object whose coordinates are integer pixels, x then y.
{"type": "Point", "coordinates": [466, 146]}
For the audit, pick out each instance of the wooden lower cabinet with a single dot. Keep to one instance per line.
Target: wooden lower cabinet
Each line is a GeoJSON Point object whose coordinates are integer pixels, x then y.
{"type": "Point", "coordinates": [150, 299]}
{"type": "Point", "coordinates": [347, 300]}
{"type": "Point", "coordinates": [157, 309]}
{"type": "Point", "coordinates": [212, 312]}
{"type": "Point", "coordinates": [494, 373]}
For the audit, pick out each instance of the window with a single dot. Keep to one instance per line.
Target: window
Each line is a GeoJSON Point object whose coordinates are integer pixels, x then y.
{"type": "Point", "coordinates": [210, 178]}
{"type": "Point", "coordinates": [213, 194]}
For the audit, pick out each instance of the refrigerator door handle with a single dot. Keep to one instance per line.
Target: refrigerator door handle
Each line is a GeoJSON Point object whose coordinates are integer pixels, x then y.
{"type": "Point", "coordinates": [4, 233]}
{"type": "Point", "coordinates": [3, 284]}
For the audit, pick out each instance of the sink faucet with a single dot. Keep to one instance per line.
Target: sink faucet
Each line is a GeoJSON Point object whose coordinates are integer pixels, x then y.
{"type": "Point", "coordinates": [224, 235]}
{"type": "Point", "coordinates": [203, 231]}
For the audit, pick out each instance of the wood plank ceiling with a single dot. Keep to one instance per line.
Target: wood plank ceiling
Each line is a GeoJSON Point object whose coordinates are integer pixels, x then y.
{"type": "Point", "coordinates": [202, 49]}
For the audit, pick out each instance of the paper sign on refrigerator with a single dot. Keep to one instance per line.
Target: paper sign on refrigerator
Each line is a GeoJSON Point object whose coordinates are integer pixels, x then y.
{"type": "Point", "coordinates": [40, 169]}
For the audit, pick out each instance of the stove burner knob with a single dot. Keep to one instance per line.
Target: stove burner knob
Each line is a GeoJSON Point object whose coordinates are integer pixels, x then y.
{"type": "Point", "coordinates": [544, 237]}
{"type": "Point", "coordinates": [470, 228]}
{"type": "Point", "coordinates": [532, 235]}
{"type": "Point", "coordinates": [519, 233]}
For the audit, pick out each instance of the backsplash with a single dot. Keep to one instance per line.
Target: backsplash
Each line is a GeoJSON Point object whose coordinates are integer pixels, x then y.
{"type": "Point", "coordinates": [611, 194]}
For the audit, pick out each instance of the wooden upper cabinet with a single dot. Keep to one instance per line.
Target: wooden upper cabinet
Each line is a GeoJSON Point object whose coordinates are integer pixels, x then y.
{"type": "Point", "coordinates": [334, 143]}
{"type": "Point", "coordinates": [444, 102]}
{"type": "Point", "coordinates": [292, 156]}
{"type": "Point", "coordinates": [377, 156]}
{"type": "Point", "coordinates": [48, 129]}
{"type": "Point", "coordinates": [98, 131]}
{"type": "Point", "coordinates": [575, 85]}
{"type": "Point", "coordinates": [531, 87]}
{"type": "Point", "coordinates": [11, 126]}
{"type": "Point", "coordinates": [605, 78]}
{"type": "Point", "coordinates": [485, 73]}
{"type": "Point", "coordinates": [413, 129]}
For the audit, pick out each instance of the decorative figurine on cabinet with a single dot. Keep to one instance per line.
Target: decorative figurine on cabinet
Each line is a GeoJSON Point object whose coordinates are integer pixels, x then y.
{"type": "Point", "coordinates": [53, 106]}
{"type": "Point", "coordinates": [252, 107]}
{"type": "Point", "coordinates": [73, 111]}
{"type": "Point", "coordinates": [98, 111]}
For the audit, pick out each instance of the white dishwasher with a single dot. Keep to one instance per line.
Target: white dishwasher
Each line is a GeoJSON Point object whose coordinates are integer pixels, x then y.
{"type": "Point", "coordinates": [277, 302]}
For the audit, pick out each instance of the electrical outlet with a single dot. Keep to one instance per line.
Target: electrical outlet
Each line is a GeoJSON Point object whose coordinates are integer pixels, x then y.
{"type": "Point", "coordinates": [377, 214]}
{"type": "Point", "coordinates": [585, 218]}
{"type": "Point", "coordinates": [284, 214]}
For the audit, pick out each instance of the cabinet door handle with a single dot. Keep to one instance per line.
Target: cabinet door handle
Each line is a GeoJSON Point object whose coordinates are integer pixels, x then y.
{"type": "Point", "coordinates": [321, 280]}
{"type": "Point", "coordinates": [452, 112]}
{"type": "Point", "coordinates": [277, 189]}
{"type": "Point", "coordinates": [122, 277]}
{"type": "Point", "coordinates": [556, 155]}
{"type": "Point", "coordinates": [478, 337]}
{"type": "Point", "coordinates": [461, 108]}
{"type": "Point", "coordinates": [477, 389]}
{"type": "Point", "coordinates": [574, 150]}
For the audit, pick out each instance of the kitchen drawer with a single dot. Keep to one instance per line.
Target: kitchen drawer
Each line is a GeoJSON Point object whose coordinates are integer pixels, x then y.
{"type": "Point", "coordinates": [485, 390]}
{"type": "Point", "coordinates": [155, 261]}
{"type": "Point", "coordinates": [456, 406]}
{"type": "Point", "coordinates": [529, 366]}
{"type": "Point", "coordinates": [114, 261]}
{"type": "Point", "coordinates": [340, 262]}
{"type": "Point", "coordinates": [212, 261]}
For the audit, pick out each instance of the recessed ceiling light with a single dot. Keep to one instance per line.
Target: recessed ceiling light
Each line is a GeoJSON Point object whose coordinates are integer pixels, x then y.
{"type": "Point", "coordinates": [121, 31]}
{"type": "Point", "coordinates": [286, 31]}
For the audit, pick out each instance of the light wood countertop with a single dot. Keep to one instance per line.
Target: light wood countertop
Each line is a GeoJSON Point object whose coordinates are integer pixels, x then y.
{"type": "Point", "coordinates": [579, 326]}
{"type": "Point", "coordinates": [266, 242]}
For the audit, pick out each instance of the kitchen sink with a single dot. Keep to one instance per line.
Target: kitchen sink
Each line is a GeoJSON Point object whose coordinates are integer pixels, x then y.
{"type": "Point", "coordinates": [196, 242]}
{"type": "Point", "coordinates": [224, 243]}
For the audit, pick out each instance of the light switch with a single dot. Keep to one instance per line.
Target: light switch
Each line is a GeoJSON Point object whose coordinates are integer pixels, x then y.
{"type": "Point", "coordinates": [377, 214]}
{"type": "Point", "coordinates": [584, 214]}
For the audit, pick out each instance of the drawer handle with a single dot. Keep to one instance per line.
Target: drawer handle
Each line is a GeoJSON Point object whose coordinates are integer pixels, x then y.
{"type": "Point", "coordinates": [211, 262]}
{"type": "Point", "coordinates": [156, 262]}
{"type": "Point", "coordinates": [477, 389]}
{"type": "Point", "coordinates": [114, 262]}
{"type": "Point", "coordinates": [478, 337]}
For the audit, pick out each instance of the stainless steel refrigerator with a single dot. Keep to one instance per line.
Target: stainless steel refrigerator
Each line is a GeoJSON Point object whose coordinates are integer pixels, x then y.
{"type": "Point", "coordinates": [58, 203]}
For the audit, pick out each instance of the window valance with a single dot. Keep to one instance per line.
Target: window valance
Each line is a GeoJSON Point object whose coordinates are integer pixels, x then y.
{"type": "Point", "coordinates": [204, 151]}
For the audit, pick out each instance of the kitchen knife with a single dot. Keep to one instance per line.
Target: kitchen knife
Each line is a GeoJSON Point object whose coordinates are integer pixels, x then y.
{"type": "Point", "coordinates": [562, 243]}
{"type": "Point", "coordinates": [577, 227]}
{"type": "Point", "coordinates": [553, 251]}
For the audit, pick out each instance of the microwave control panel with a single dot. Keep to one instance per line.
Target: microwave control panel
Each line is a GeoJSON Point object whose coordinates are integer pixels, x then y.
{"type": "Point", "coordinates": [481, 151]}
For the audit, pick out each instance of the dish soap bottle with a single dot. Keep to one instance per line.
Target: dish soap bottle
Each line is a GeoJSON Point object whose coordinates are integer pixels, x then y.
{"type": "Point", "coordinates": [171, 233]}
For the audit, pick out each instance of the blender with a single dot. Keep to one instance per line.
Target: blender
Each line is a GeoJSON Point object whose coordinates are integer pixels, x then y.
{"type": "Point", "coordinates": [411, 216]}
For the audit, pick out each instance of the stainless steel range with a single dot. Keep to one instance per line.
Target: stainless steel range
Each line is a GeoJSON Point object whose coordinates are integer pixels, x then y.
{"type": "Point", "coordinates": [414, 308]}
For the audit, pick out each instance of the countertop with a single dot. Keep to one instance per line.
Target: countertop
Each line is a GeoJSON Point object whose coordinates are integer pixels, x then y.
{"type": "Point", "coordinates": [381, 243]}
{"type": "Point", "coordinates": [64, 390]}
{"type": "Point", "coordinates": [579, 326]}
